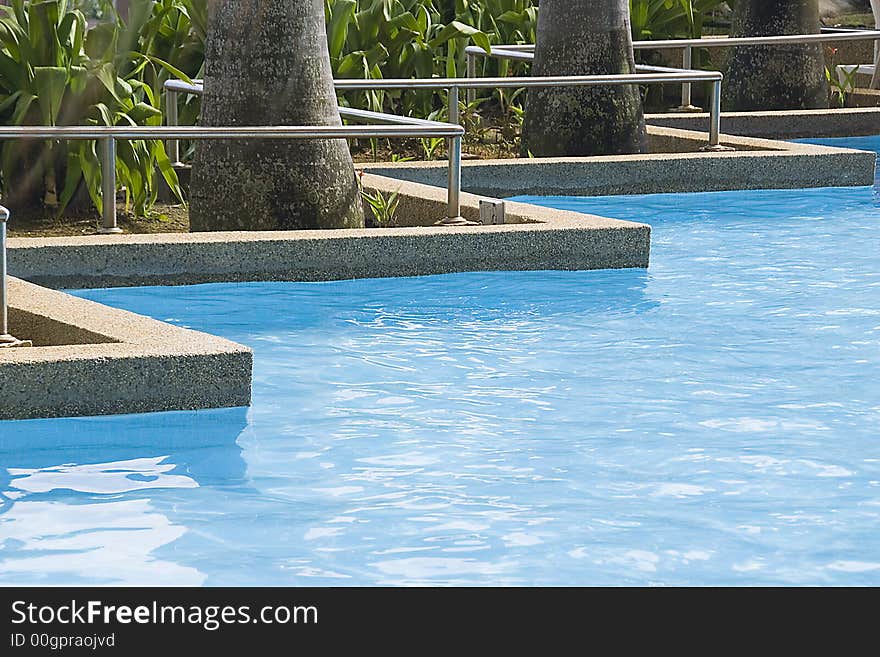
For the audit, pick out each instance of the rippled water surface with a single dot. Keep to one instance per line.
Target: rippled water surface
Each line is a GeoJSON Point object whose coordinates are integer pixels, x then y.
{"type": "Point", "coordinates": [713, 420]}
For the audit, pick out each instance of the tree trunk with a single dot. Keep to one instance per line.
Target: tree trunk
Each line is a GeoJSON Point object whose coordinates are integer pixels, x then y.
{"type": "Point", "coordinates": [267, 64]}
{"type": "Point", "coordinates": [776, 77]}
{"type": "Point", "coordinates": [584, 37]}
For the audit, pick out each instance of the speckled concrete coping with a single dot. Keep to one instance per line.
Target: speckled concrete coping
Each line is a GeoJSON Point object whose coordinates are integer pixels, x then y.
{"type": "Point", "coordinates": [677, 165]}
{"type": "Point", "coordinates": [533, 238]}
{"type": "Point", "coordinates": [89, 359]}
{"type": "Point", "coordinates": [844, 122]}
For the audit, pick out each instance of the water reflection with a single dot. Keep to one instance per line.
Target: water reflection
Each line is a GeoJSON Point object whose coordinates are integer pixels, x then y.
{"type": "Point", "coordinates": [102, 500]}
{"type": "Point", "coordinates": [470, 305]}
{"type": "Point", "coordinates": [710, 422]}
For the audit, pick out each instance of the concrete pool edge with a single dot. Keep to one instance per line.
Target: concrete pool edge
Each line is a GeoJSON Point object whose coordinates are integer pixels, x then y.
{"type": "Point", "coordinates": [95, 360]}
{"type": "Point", "coordinates": [678, 167]}
{"type": "Point", "coordinates": [786, 124]}
{"type": "Point", "coordinates": [533, 238]}
{"type": "Point", "coordinates": [90, 359]}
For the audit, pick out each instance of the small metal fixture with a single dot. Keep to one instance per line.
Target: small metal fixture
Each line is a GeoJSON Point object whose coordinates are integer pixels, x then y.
{"type": "Point", "coordinates": [491, 211]}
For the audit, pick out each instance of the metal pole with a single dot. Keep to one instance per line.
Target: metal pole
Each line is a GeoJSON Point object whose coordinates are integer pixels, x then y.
{"type": "Point", "coordinates": [452, 113]}
{"type": "Point", "coordinates": [715, 120]}
{"type": "Point", "coordinates": [108, 185]}
{"type": "Point", "coordinates": [715, 115]}
{"type": "Point", "coordinates": [453, 105]}
{"type": "Point", "coordinates": [5, 338]}
{"type": "Point", "coordinates": [471, 72]}
{"type": "Point", "coordinates": [875, 79]}
{"type": "Point", "coordinates": [453, 191]}
{"type": "Point", "coordinates": [172, 145]}
{"type": "Point", "coordinates": [687, 88]}
{"type": "Point", "coordinates": [453, 188]}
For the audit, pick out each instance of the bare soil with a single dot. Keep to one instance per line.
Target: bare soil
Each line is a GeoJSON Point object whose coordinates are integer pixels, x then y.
{"type": "Point", "coordinates": [42, 222]}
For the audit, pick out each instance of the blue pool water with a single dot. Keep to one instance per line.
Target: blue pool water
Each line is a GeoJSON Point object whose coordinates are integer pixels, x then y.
{"type": "Point", "coordinates": [712, 420]}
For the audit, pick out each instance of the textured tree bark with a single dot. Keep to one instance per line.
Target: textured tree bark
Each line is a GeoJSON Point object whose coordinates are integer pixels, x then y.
{"type": "Point", "coordinates": [267, 64]}
{"type": "Point", "coordinates": [776, 77]}
{"type": "Point", "coordinates": [584, 37]}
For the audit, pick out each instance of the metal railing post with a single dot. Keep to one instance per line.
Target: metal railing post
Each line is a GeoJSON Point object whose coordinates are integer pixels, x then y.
{"type": "Point", "coordinates": [453, 191]}
{"type": "Point", "coordinates": [715, 120]}
{"type": "Point", "coordinates": [453, 149]}
{"type": "Point", "coordinates": [107, 146]}
{"type": "Point", "coordinates": [172, 145]}
{"type": "Point", "coordinates": [471, 72]}
{"type": "Point", "coordinates": [715, 115]}
{"type": "Point", "coordinates": [453, 105]}
{"type": "Point", "coordinates": [875, 79]}
{"type": "Point", "coordinates": [686, 88]}
{"type": "Point", "coordinates": [5, 338]}
{"type": "Point", "coordinates": [453, 187]}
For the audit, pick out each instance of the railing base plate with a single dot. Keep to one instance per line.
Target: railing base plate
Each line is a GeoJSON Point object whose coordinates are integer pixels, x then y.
{"type": "Point", "coordinates": [8, 342]}
{"type": "Point", "coordinates": [456, 221]}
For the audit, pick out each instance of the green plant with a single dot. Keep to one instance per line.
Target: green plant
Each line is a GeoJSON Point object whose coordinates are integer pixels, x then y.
{"type": "Point", "coordinates": [377, 39]}
{"type": "Point", "coordinates": [171, 31]}
{"type": "Point", "coordinates": [843, 83]}
{"type": "Point", "coordinates": [431, 146]}
{"type": "Point", "coordinates": [94, 9]}
{"type": "Point", "coordinates": [423, 38]}
{"type": "Point", "coordinates": [54, 70]}
{"type": "Point", "coordinates": [382, 207]}
{"type": "Point", "coordinates": [504, 22]}
{"type": "Point", "coordinates": [471, 118]}
{"type": "Point", "coordinates": [670, 19]}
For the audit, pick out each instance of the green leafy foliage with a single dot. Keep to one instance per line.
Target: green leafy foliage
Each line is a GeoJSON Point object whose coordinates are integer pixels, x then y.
{"type": "Point", "coordinates": [423, 38]}
{"type": "Point", "coordinates": [55, 70]}
{"type": "Point", "coordinates": [377, 39]}
{"type": "Point", "coordinates": [841, 82]}
{"type": "Point", "coordinates": [670, 19]}
{"type": "Point", "coordinates": [382, 208]}
{"type": "Point", "coordinates": [172, 33]}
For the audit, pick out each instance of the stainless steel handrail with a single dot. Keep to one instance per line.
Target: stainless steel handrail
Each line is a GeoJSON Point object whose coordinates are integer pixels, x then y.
{"type": "Point", "coordinates": [644, 75]}
{"type": "Point", "coordinates": [521, 52]}
{"type": "Point", "coordinates": [827, 35]}
{"type": "Point", "coordinates": [107, 136]}
{"type": "Point", "coordinates": [240, 132]}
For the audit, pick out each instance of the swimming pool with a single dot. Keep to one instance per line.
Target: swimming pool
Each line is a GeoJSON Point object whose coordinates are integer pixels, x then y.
{"type": "Point", "coordinates": [712, 420]}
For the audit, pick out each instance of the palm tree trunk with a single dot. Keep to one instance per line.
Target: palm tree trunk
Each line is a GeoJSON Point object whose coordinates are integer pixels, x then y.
{"type": "Point", "coordinates": [776, 77]}
{"type": "Point", "coordinates": [267, 64]}
{"type": "Point", "coordinates": [584, 37]}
